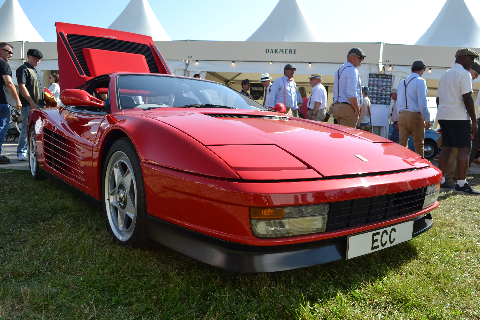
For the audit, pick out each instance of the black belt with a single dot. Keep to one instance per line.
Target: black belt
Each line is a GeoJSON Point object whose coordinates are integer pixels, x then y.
{"type": "Point", "coordinates": [346, 103]}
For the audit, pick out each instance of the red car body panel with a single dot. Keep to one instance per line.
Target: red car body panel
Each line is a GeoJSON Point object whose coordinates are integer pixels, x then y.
{"type": "Point", "coordinates": [203, 169]}
{"type": "Point", "coordinates": [93, 61]}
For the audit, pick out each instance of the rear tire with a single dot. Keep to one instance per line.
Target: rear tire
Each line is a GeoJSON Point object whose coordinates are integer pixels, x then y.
{"type": "Point", "coordinates": [123, 193]}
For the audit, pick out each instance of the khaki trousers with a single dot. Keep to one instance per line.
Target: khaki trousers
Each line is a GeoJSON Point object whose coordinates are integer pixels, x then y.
{"type": "Point", "coordinates": [345, 115]}
{"type": "Point", "coordinates": [319, 116]}
{"type": "Point", "coordinates": [412, 123]}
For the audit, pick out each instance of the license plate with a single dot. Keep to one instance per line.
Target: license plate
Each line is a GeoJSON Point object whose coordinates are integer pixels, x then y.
{"type": "Point", "coordinates": [368, 242]}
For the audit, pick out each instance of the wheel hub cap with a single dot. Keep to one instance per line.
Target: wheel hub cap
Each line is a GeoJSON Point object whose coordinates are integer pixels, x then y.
{"type": "Point", "coordinates": [122, 196]}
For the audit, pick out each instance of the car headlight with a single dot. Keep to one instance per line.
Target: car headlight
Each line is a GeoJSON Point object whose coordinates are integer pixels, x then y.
{"type": "Point", "coordinates": [288, 221]}
{"type": "Point", "coordinates": [431, 195]}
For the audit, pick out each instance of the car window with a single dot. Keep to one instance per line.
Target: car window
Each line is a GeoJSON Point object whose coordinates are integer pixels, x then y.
{"type": "Point", "coordinates": [154, 91]}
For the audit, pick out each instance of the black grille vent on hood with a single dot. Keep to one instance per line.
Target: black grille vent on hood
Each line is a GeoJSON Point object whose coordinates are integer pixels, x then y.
{"type": "Point", "coordinates": [247, 116]}
{"type": "Point", "coordinates": [79, 42]}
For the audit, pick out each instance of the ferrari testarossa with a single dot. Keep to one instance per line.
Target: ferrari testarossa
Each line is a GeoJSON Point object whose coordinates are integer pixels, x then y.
{"type": "Point", "coordinates": [199, 168]}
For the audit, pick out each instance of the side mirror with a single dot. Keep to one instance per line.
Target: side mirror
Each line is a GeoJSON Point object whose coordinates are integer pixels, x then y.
{"type": "Point", "coordinates": [77, 97]}
{"type": "Point", "coordinates": [280, 108]}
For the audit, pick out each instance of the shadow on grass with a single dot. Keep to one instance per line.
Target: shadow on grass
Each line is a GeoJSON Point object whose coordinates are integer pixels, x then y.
{"type": "Point", "coordinates": [57, 247]}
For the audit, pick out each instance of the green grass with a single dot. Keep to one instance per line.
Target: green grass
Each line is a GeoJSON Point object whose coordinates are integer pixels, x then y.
{"type": "Point", "coordinates": [58, 262]}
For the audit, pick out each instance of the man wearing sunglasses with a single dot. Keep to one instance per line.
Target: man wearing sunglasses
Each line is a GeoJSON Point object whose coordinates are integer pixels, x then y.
{"type": "Point", "coordinates": [413, 114]}
{"type": "Point", "coordinates": [30, 95]}
{"type": "Point", "coordinates": [6, 82]}
{"type": "Point", "coordinates": [347, 90]}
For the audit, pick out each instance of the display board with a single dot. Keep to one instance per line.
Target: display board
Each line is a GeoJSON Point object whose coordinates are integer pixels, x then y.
{"type": "Point", "coordinates": [380, 86]}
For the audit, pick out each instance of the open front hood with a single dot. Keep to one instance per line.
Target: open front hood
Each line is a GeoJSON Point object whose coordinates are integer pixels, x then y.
{"type": "Point", "coordinates": [87, 52]}
{"type": "Point", "coordinates": [251, 143]}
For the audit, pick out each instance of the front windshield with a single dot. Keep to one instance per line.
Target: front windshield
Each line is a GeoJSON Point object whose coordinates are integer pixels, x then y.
{"type": "Point", "coordinates": [153, 91]}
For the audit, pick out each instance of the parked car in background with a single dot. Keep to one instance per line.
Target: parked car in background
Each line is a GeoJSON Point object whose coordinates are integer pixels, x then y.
{"type": "Point", "coordinates": [430, 143]}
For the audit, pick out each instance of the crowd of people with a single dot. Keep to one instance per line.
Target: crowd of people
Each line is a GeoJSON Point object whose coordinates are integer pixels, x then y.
{"type": "Point", "coordinates": [410, 115]}
{"type": "Point", "coordinates": [351, 105]}
{"type": "Point", "coordinates": [30, 94]}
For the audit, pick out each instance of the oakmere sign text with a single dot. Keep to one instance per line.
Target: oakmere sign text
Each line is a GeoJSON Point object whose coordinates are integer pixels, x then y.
{"type": "Point", "coordinates": [281, 51]}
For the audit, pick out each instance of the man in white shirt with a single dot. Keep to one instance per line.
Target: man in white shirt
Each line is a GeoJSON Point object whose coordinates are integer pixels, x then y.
{"type": "Point", "coordinates": [413, 114]}
{"type": "Point", "coordinates": [455, 110]}
{"type": "Point", "coordinates": [266, 81]}
{"type": "Point", "coordinates": [318, 99]}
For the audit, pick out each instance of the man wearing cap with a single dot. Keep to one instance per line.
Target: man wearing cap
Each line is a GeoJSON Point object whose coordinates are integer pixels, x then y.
{"type": "Point", "coordinates": [245, 88]}
{"type": "Point", "coordinates": [6, 52]}
{"type": "Point", "coordinates": [394, 117]}
{"type": "Point", "coordinates": [318, 99]}
{"type": "Point", "coordinates": [347, 91]}
{"type": "Point", "coordinates": [413, 114]}
{"type": "Point", "coordinates": [475, 72]}
{"type": "Point", "coordinates": [455, 110]}
{"type": "Point", "coordinates": [30, 95]}
{"type": "Point", "coordinates": [267, 88]}
{"type": "Point", "coordinates": [284, 90]}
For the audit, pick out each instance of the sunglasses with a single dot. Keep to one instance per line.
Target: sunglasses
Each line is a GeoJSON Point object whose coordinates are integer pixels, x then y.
{"type": "Point", "coordinates": [9, 52]}
{"type": "Point", "coordinates": [360, 57]}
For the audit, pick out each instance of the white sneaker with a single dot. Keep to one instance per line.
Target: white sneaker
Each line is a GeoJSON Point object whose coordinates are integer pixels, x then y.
{"type": "Point", "coordinates": [22, 157]}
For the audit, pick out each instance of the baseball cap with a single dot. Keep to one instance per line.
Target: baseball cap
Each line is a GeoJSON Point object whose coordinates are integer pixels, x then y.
{"type": "Point", "coordinates": [265, 77]}
{"type": "Point", "coordinates": [245, 82]}
{"type": "Point", "coordinates": [316, 76]}
{"type": "Point", "coordinates": [476, 67]}
{"type": "Point", "coordinates": [357, 51]}
{"type": "Point", "coordinates": [466, 52]}
{"type": "Point", "coordinates": [35, 53]}
{"type": "Point", "coordinates": [418, 63]}
{"type": "Point", "coordinates": [289, 66]}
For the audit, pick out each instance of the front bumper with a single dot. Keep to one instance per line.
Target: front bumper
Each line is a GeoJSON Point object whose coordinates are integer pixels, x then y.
{"type": "Point", "coordinates": [256, 259]}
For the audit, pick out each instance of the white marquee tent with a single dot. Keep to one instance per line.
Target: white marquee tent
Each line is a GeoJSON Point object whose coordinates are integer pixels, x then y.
{"type": "Point", "coordinates": [14, 24]}
{"type": "Point", "coordinates": [138, 17]}
{"type": "Point", "coordinates": [455, 26]}
{"type": "Point", "coordinates": [287, 22]}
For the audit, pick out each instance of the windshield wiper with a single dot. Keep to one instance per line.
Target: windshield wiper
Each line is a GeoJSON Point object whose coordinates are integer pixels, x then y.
{"type": "Point", "coordinates": [208, 105]}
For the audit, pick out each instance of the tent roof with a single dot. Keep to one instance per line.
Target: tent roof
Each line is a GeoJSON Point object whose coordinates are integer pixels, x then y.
{"type": "Point", "coordinates": [14, 24]}
{"type": "Point", "coordinates": [455, 26]}
{"type": "Point", "coordinates": [287, 23]}
{"type": "Point", "coordinates": [138, 17]}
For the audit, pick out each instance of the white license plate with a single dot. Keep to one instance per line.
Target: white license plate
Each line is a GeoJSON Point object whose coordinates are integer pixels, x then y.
{"type": "Point", "coordinates": [368, 242]}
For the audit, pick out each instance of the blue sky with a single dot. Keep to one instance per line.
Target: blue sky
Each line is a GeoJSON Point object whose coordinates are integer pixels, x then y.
{"type": "Point", "coordinates": [387, 21]}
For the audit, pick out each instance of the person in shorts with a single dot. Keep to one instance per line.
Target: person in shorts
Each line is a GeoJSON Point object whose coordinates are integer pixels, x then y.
{"type": "Point", "coordinates": [455, 110]}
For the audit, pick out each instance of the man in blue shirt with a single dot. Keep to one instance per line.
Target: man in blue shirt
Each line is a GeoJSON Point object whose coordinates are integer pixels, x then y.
{"type": "Point", "coordinates": [347, 91]}
{"type": "Point", "coordinates": [413, 114]}
{"type": "Point", "coordinates": [284, 90]}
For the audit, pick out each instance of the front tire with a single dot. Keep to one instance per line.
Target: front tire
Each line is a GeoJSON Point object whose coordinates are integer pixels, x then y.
{"type": "Point", "coordinates": [124, 202]}
{"type": "Point", "coordinates": [32, 156]}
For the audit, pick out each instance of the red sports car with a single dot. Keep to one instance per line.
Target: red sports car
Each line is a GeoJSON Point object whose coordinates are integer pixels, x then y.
{"type": "Point", "coordinates": [199, 168]}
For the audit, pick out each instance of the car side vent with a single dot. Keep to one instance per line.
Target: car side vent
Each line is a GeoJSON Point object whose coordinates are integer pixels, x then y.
{"type": "Point", "coordinates": [246, 116]}
{"type": "Point", "coordinates": [62, 155]}
{"type": "Point", "coordinates": [78, 42]}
